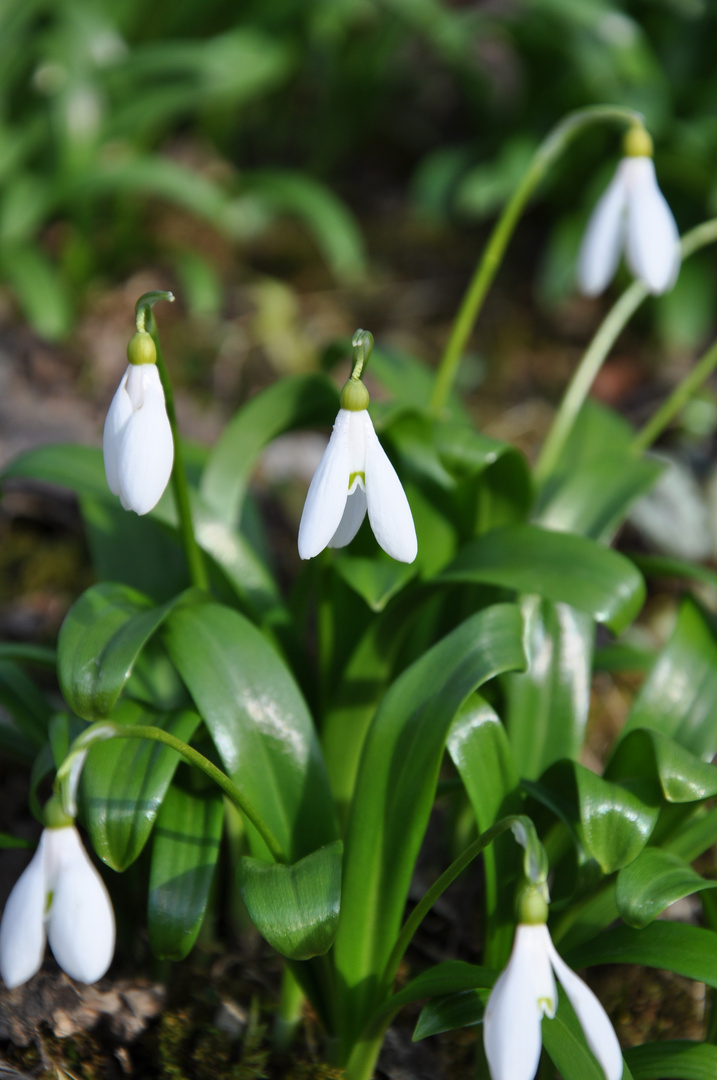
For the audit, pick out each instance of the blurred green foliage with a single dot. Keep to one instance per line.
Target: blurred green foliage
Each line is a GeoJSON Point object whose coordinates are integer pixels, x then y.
{"type": "Point", "coordinates": [240, 114]}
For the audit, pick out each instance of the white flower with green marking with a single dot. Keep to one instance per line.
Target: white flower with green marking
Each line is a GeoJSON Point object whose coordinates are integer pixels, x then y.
{"type": "Point", "coordinates": [60, 896]}
{"type": "Point", "coordinates": [632, 216]}
{"type": "Point", "coordinates": [524, 993]}
{"type": "Point", "coordinates": [355, 476]}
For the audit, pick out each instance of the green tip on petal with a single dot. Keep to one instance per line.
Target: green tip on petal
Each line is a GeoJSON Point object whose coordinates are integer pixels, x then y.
{"type": "Point", "coordinates": [354, 396]}
{"type": "Point", "coordinates": [141, 349]}
{"type": "Point", "coordinates": [637, 142]}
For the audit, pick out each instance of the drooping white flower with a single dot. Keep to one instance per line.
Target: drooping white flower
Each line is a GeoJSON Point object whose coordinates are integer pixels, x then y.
{"type": "Point", "coordinates": [524, 993]}
{"type": "Point", "coordinates": [59, 895]}
{"type": "Point", "coordinates": [633, 216]}
{"type": "Point", "coordinates": [355, 475]}
{"type": "Point", "coordinates": [137, 441]}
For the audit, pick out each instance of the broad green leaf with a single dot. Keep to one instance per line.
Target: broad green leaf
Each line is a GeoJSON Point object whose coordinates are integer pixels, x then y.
{"type": "Point", "coordinates": [686, 950]}
{"type": "Point", "coordinates": [77, 467]}
{"type": "Point", "coordinates": [652, 882]}
{"type": "Point", "coordinates": [557, 566]}
{"type": "Point", "coordinates": [495, 485]}
{"type": "Point", "coordinates": [296, 907]}
{"type": "Point", "coordinates": [125, 780]}
{"type": "Point", "coordinates": [102, 635]}
{"type": "Point", "coordinates": [259, 723]}
{"type": "Point", "coordinates": [394, 792]}
{"type": "Point", "coordinates": [679, 696]}
{"type": "Point", "coordinates": [595, 499]}
{"type": "Point", "coordinates": [480, 750]}
{"type": "Point", "coordinates": [187, 836]}
{"type": "Point", "coordinates": [614, 822]}
{"type": "Point", "coordinates": [672, 1059]}
{"type": "Point", "coordinates": [450, 1012]}
{"type": "Point", "coordinates": [375, 580]}
{"type": "Point", "coordinates": [564, 1040]}
{"type": "Point", "coordinates": [298, 402]}
{"type": "Point", "coordinates": [547, 705]}
{"type": "Point", "coordinates": [644, 755]}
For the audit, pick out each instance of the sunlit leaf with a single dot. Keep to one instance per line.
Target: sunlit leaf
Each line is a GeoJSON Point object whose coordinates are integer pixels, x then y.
{"type": "Point", "coordinates": [295, 907]}
{"type": "Point", "coordinates": [652, 882]}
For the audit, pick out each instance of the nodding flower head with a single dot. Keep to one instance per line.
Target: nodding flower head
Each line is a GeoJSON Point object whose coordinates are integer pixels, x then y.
{"type": "Point", "coordinates": [524, 993]}
{"type": "Point", "coordinates": [60, 896]}
{"type": "Point", "coordinates": [632, 216]}
{"type": "Point", "coordinates": [137, 442]}
{"type": "Point", "coordinates": [355, 476]}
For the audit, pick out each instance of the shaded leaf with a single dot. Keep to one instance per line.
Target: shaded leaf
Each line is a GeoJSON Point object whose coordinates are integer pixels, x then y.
{"type": "Point", "coordinates": [184, 853]}
{"type": "Point", "coordinates": [687, 950]}
{"type": "Point", "coordinates": [672, 1059]}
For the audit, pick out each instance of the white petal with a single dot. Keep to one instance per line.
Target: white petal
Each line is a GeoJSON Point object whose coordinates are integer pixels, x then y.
{"type": "Point", "coordinates": [22, 931]}
{"type": "Point", "coordinates": [511, 1026]}
{"type": "Point", "coordinates": [81, 924]}
{"type": "Point", "coordinates": [118, 414]}
{"type": "Point", "coordinates": [538, 940]}
{"type": "Point", "coordinates": [599, 1032]}
{"type": "Point", "coordinates": [603, 239]}
{"type": "Point", "coordinates": [146, 450]}
{"type": "Point", "coordinates": [354, 513]}
{"type": "Point", "coordinates": [653, 242]}
{"type": "Point", "coordinates": [388, 509]}
{"type": "Point", "coordinates": [328, 492]}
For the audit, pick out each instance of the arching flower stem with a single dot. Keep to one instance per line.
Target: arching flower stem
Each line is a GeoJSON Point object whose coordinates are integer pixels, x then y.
{"type": "Point", "coordinates": [550, 149]}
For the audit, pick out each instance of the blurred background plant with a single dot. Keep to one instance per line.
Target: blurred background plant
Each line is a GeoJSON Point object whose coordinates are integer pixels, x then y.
{"type": "Point", "coordinates": [320, 111]}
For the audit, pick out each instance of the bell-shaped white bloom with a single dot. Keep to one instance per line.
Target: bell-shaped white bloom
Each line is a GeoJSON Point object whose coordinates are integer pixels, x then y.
{"type": "Point", "coordinates": [61, 895]}
{"type": "Point", "coordinates": [137, 441]}
{"type": "Point", "coordinates": [524, 993]}
{"type": "Point", "coordinates": [633, 216]}
{"type": "Point", "coordinates": [354, 476]}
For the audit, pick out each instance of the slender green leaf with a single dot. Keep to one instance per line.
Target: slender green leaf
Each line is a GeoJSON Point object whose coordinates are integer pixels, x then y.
{"type": "Point", "coordinates": [77, 467]}
{"type": "Point", "coordinates": [258, 721]}
{"type": "Point", "coordinates": [667, 566]}
{"type": "Point", "coordinates": [184, 854]}
{"type": "Point", "coordinates": [448, 977]}
{"type": "Point", "coordinates": [100, 640]}
{"type": "Point", "coordinates": [298, 402]}
{"type": "Point", "coordinates": [679, 696]}
{"type": "Point", "coordinates": [547, 706]}
{"type": "Point", "coordinates": [394, 793]}
{"type": "Point", "coordinates": [449, 1012]}
{"type": "Point", "coordinates": [41, 290]}
{"type": "Point", "coordinates": [672, 1059]}
{"type": "Point", "coordinates": [595, 499]}
{"type": "Point", "coordinates": [125, 780]}
{"type": "Point", "coordinates": [557, 566]}
{"type": "Point", "coordinates": [296, 908]}
{"type": "Point", "coordinates": [652, 882]}
{"type": "Point", "coordinates": [687, 950]}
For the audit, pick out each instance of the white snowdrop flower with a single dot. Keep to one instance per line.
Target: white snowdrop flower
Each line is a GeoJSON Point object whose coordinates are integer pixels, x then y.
{"type": "Point", "coordinates": [355, 476]}
{"type": "Point", "coordinates": [524, 993]}
{"type": "Point", "coordinates": [137, 441]}
{"type": "Point", "coordinates": [633, 216]}
{"type": "Point", "coordinates": [59, 895]}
